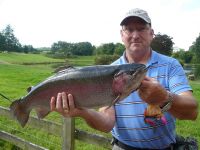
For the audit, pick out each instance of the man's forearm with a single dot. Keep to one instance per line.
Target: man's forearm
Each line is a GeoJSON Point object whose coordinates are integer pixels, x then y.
{"type": "Point", "coordinates": [103, 120]}
{"type": "Point", "coordinates": [184, 106]}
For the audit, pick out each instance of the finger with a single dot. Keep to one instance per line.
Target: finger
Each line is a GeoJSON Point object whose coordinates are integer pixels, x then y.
{"type": "Point", "coordinates": [143, 94]}
{"type": "Point", "coordinates": [147, 78]}
{"type": "Point", "coordinates": [144, 83]}
{"type": "Point", "coordinates": [71, 101]}
{"type": "Point", "coordinates": [53, 103]}
{"type": "Point", "coordinates": [65, 101]}
{"type": "Point", "coordinates": [147, 82]}
{"type": "Point", "coordinates": [59, 102]}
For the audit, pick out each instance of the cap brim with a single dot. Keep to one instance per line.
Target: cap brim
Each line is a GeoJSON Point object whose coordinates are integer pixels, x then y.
{"type": "Point", "coordinates": [125, 20]}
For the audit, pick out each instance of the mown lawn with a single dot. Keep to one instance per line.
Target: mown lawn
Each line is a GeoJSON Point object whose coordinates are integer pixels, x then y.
{"type": "Point", "coordinates": [16, 78]}
{"type": "Point", "coordinates": [20, 58]}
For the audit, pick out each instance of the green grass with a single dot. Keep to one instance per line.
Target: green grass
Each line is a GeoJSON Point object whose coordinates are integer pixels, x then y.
{"type": "Point", "coordinates": [191, 128]}
{"type": "Point", "coordinates": [82, 60]}
{"type": "Point", "coordinates": [20, 58]}
{"type": "Point", "coordinates": [16, 78]}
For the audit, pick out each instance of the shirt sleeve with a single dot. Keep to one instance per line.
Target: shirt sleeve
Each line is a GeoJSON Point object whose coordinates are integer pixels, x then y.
{"type": "Point", "coordinates": [178, 81]}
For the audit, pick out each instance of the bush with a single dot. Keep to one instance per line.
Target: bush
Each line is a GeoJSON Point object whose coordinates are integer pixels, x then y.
{"type": "Point", "coordinates": [60, 55]}
{"type": "Point", "coordinates": [197, 72]}
{"type": "Point", "coordinates": [105, 59]}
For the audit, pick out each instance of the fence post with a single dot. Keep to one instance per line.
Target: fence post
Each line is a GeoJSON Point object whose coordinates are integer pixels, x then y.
{"type": "Point", "coordinates": [68, 133]}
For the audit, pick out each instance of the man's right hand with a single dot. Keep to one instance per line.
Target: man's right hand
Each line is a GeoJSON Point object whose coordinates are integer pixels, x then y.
{"type": "Point", "coordinates": [64, 104]}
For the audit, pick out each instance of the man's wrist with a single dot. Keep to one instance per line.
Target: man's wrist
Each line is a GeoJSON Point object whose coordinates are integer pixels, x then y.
{"type": "Point", "coordinates": [167, 105]}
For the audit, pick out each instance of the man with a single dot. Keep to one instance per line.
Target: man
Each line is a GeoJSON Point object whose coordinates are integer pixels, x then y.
{"type": "Point", "coordinates": [165, 86]}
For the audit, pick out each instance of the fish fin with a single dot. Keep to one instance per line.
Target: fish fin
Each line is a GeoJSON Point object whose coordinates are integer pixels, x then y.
{"type": "Point", "coordinates": [29, 89]}
{"type": "Point", "coordinates": [113, 102]}
{"type": "Point", "coordinates": [19, 112]}
{"type": "Point", "coordinates": [63, 69]}
{"type": "Point", "coordinates": [42, 112]}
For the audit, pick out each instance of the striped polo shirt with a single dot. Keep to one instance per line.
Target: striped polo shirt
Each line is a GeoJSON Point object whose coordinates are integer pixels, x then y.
{"type": "Point", "coordinates": [130, 127]}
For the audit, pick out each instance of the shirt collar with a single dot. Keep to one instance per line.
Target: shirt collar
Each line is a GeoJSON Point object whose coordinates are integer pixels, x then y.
{"type": "Point", "coordinates": [153, 59]}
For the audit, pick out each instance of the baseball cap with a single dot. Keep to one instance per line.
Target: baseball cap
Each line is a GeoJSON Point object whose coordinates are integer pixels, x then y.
{"type": "Point", "coordinates": [142, 14]}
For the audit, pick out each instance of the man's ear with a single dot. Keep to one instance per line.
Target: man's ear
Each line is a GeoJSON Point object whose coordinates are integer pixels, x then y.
{"type": "Point", "coordinates": [122, 35]}
{"type": "Point", "coordinates": [152, 32]}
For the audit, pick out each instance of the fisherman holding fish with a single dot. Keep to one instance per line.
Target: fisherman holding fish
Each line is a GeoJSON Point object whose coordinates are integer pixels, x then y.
{"type": "Point", "coordinates": [146, 118]}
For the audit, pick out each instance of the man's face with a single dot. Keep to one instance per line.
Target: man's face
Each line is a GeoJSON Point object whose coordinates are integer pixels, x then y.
{"type": "Point", "coordinates": [136, 35]}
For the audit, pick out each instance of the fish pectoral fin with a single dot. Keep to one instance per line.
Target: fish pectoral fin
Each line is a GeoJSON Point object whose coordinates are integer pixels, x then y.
{"type": "Point", "coordinates": [29, 89]}
{"type": "Point", "coordinates": [42, 112]}
{"type": "Point", "coordinates": [113, 102]}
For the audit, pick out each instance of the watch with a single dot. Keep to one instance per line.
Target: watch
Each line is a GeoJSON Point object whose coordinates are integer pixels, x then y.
{"type": "Point", "coordinates": [167, 105]}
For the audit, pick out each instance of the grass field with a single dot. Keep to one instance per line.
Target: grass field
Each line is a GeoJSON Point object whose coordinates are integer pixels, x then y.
{"type": "Point", "coordinates": [191, 128]}
{"type": "Point", "coordinates": [16, 78]}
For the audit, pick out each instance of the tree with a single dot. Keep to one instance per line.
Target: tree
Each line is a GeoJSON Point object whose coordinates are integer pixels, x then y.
{"type": "Point", "coordinates": [195, 49]}
{"type": "Point", "coordinates": [162, 44]}
{"type": "Point", "coordinates": [119, 49]}
{"type": "Point", "coordinates": [81, 48]}
{"type": "Point", "coordinates": [28, 49]}
{"type": "Point", "coordinates": [2, 42]}
{"type": "Point", "coordinates": [184, 56]}
{"type": "Point", "coordinates": [106, 49]}
{"type": "Point", "coordinates": [11, 42]}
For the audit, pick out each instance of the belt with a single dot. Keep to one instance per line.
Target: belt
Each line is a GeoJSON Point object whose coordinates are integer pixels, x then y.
{"type": "Point", "coordinates": [127, 147]}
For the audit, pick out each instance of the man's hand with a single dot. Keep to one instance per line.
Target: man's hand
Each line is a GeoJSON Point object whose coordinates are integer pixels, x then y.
{"type": "Point", "coordinates": [64, 104]}
{"type": "Point", "coordinates": [152, 92]}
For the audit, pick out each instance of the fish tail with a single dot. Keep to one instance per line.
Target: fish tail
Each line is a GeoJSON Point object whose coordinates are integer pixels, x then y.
{"type": "Point", "coordinates": [19, 111]}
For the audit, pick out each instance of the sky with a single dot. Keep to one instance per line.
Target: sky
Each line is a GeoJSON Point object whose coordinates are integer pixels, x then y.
{"type": "Point", "coordinates": [41, 23]}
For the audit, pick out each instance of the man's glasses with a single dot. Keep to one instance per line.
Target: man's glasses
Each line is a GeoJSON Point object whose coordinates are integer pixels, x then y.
{"type": "Point", "coordinates": [129, 31]}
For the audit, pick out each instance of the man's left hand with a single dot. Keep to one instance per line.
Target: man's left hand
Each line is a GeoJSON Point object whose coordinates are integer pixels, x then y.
{"type": "Point", "coordinates": [152, 92]}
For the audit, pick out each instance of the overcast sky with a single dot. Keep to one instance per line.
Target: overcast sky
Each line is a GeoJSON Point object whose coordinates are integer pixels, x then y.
{"type": "Point", "coordinates": [42, 22]}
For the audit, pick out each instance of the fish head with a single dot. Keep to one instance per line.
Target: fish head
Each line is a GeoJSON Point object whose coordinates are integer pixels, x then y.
{"type": "Point", "coordinates": [128, 79]}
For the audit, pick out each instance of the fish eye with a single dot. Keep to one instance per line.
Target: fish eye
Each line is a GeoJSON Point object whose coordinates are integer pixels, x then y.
{"type": "Point", "coordinates": [130, 72]}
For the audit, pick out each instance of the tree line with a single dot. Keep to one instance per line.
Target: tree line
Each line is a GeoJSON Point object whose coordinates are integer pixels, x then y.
{"type": "Point", "coordinates": [162, 43]}
{"type": "Point", "coordinates": [86, 48]}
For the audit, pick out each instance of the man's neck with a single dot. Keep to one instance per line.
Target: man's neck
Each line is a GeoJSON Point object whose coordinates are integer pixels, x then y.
{"type": "Point", "coordinates": [141, 57]}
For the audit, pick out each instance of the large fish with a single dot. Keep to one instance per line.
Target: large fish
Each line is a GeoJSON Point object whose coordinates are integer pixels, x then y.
{"type": "Point", "coordinates": [91, 87]}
